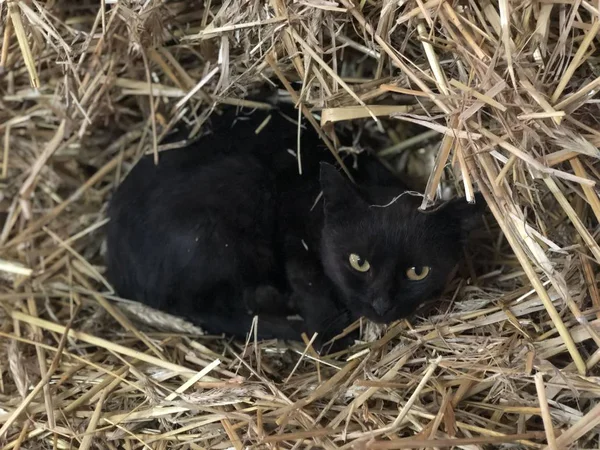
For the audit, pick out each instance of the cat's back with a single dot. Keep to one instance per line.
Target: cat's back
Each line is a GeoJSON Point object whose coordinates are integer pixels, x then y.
{"type": "Point", "coordinates": [200, 211]}
{"type": "Point", "coordinates": [184, 183]}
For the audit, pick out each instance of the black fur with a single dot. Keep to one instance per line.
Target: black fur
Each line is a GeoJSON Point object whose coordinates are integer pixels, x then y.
{"type": "Point", "coordinates": [226, 228]}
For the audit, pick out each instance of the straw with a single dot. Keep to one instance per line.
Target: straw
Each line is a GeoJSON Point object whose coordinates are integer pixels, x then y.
{"type": "Point", "coordinates": [496, 97]}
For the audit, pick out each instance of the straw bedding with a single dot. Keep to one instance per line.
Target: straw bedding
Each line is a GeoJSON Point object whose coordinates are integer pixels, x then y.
{"type": "Point", "coordinates": [503, 92]}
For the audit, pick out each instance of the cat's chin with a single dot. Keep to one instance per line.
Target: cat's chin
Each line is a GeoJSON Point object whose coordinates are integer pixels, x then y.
{"type": "Point", "coordinates": [383, 320]}
{"type": "Point", "coordinates": [368, 313]}
{"type": "Point", "coordinates": [379, 320]}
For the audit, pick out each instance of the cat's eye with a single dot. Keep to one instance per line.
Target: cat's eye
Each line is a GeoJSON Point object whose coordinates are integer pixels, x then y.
{"type": "Point", "coordinates": [417, 273]}
{"type": "Point", "coordinates": [359, 264]}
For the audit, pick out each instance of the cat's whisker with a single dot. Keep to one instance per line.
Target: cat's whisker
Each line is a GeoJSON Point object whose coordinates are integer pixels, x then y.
{"type": "Point", "coordinates": [395, 199]}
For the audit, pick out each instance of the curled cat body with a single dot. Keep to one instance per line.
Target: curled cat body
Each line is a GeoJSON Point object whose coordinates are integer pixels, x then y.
{"type": "Point", "coordinates": [227, 228]}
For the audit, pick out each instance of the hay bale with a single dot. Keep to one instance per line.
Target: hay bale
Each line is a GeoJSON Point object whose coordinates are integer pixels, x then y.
{"type": "Point", "coordinates": [507, 87]}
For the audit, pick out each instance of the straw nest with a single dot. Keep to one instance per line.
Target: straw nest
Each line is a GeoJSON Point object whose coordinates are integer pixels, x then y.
{"type": "Point", "coordinates": [502, 91]}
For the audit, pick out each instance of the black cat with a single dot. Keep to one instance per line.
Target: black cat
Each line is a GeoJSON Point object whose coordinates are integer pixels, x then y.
{"type": "Point", "coordinates": [226, 228]}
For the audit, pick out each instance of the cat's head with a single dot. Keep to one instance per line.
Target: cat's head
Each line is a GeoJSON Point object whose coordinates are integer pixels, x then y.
{"type": "Point", "coordinates": [388, 258]}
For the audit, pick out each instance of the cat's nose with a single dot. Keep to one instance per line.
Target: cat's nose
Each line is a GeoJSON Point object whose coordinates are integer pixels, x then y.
{"type": "Point", "coordinates": [382, 305]}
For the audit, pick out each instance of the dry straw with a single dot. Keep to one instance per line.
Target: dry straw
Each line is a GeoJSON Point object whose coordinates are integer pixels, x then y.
{"type": "Point", "coordinates": [507, 87]}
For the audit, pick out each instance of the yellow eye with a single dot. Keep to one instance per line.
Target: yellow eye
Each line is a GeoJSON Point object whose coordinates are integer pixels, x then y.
{"type": "Point", "coordinates": [418, 273]}
{"type": "Point", "coordinates": [359, 264]}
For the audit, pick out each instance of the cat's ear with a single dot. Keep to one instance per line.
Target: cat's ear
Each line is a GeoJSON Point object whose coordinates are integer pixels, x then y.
{"type": "Point", "coordinates": [467, 215]}
{"type": "Point", "coordinates": [460, 213]}
{"type": "Point", "coordinates": [339, 195]}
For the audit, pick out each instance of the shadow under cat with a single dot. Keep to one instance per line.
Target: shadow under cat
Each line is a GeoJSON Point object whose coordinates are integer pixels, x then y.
{"type": "Point", "coordinates": [226, 228]}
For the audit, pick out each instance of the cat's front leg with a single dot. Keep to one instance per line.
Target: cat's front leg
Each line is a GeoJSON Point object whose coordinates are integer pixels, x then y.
{"type": "Point", "coordinates": [325, 318]}
{"type": "Point", "coordinates": [314, 298]}
{"type": "Point", "coordinates": [266, 299]}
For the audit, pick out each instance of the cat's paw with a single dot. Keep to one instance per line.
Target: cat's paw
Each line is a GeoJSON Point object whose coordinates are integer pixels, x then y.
{"type": "Point", "coordinates": [327, 319]}
{"type": "Point", "coordinates": [327, 344]}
